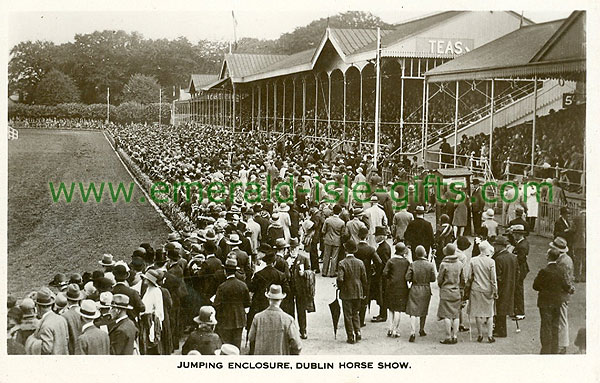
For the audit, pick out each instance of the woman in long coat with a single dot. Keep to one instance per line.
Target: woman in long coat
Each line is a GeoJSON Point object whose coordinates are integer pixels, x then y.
{"type": "Point", "coordinates": [484, 289]}
{"type": "Point", "coordinates": [420, 273]}
{"type": "Point", "coordinates": [461, 214]}
{"type": "Point", "coordinates": [396, 288]}
{"type": "Point", "coordinates": [449, 280]}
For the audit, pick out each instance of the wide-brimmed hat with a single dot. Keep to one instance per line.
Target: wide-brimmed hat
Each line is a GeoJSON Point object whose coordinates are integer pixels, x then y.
{"type": "Point", "coordinates": [350, 246]}
{"type": "Point", "coordinates": [151, 276]}
{"type": "Point", "coordinates": [233, 240]}
{"type": "Point", "coordinates": [174, 236]}
{"type": "Point", "coordinates": [400, 248]}
{"type": "Point", "coordinates": [228, 349]}
{"type": "Point", "coordinates": [105, 300]}
{"type": "Point", "coordinates": [206, 315]}
{"type": "Point", "coordinates": [560, 244]}
{"type": "Point", "coordinates": [107, 260]}
{"type": "Point", "coordinates": [294, 243]}
{"type": "Point", "coordinates": [121, 301]}
{"type": "Point", "coordinates": [231, 264]}
{"type": "Point", "coordinates": [73, 292]}
{"type": "Point", "coordinates": [284, 207]}
{"type": "Point", "coordinates": [380, 230]}
{"type": "Point", "coordinates": [449, 249]}
{"type": "Point", "coordinates": [489, 213]}
{"type": "Point", "coordinates": [275, 292]}
{"type": "Point", "coordinates": [501, 241]}
{"type": "Point", "coordinates": [44, 297]}
{"type": "Point", "coordinates": [88, 309]}
{"type": "Point", "coordinates": [59, 280]}
{"type": "Point", "coordinates": [281, 243]}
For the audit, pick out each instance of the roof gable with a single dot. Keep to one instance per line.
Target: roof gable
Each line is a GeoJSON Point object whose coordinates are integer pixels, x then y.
{"type": "Point", "coordinates": [568, 42]}
{"type": "Point", "coordinates": [197, 81]}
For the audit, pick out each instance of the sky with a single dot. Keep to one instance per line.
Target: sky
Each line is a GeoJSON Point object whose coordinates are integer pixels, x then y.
{"type": "Point", "coordinates": [266, 19]}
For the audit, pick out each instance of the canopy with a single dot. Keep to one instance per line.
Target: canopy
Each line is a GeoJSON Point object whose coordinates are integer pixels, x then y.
{"type": "Point", "coordinates": [552, 49]}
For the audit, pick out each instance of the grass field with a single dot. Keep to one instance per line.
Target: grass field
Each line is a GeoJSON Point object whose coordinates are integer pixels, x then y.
{"type": "Point", "coordinates": [45, 237]}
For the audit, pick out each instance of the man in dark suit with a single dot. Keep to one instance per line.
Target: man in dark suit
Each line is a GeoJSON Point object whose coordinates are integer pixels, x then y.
{"type": "Point", "coordinates": [299, 265]}
{"type": "Point", "coordinates": [92, 340]}
{"type": "Point", "coordinates": [377, 289]}
{"type": "Point", "coordinates": [419, 232]}
{"type": "Point", "coordinates": [71, 315]}
{"type": "Point", "coordinates": [122, 332]}
{"type": "Point", "coordinates": [521, 250]}
{"type": "Point", "coordinates": [203, 339]}
{"type": "Point", "coordinates": [507, 274]}
{"type": "Point", "coordinates": [121, 274]}
{"type": "Point", "coordinates": [176, 286]}
{"type": "Point", "coordinates": [351, 279]}
{"type": "Point", "coordinates": [368, 255]}
{"type": "Point", "coordinates": [477, 206]}
{"type": "Point", "coordinates": [262, 280]}
{"type": "Point", "coordinates": [562, 227]}
{"type": "Point", "coordinates": [230, 301]}
{"type": "Point", "coordinates": [554, 288]}
{"type": "Point", "coordinates": [243, 260]}
{"type": "Point", "coordinates": [211, 272]}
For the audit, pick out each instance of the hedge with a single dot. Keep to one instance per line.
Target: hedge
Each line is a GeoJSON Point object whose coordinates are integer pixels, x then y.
{"type": "Point", "coordinates": [124, 113]}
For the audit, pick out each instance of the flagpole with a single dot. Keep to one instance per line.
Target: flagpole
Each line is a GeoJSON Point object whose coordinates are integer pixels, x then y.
{"type": "Point", "coordinates": [159, 106]}
{"type": "Point", "coordinates": [377, 97]}
{"type": "Point", "coordinates": [108, 105]}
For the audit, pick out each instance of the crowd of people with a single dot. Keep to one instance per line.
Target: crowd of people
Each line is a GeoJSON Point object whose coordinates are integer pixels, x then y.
{"type": "Point", "coordinates": [250, 267]}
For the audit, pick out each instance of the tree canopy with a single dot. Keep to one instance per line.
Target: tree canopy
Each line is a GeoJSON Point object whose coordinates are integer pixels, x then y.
{"type": "Point", "coordinates": [56, 88]}
{"type": "Point", "coordinates": [108, 59]}
{"type": "Point", "coordinates": [142, 89]}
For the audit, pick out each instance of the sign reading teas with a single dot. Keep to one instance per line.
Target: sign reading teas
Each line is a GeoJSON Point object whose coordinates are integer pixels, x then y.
{"type": "Point", "coordinates": [443, 46]}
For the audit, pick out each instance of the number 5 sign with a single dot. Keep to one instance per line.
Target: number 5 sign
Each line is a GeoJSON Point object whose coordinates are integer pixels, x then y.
{"type": "Point", "coordinates": [568, 100]}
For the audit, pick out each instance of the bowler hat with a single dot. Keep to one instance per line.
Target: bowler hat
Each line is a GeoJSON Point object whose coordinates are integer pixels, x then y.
{"type": "Point", "coordinates": [380, 230]}
{"type": "Point", "coordinates": [120, 272]}
{"type": "Point", "coordinates": [350, 246]}
{"type": "Point", "coordinates": [275, 292]}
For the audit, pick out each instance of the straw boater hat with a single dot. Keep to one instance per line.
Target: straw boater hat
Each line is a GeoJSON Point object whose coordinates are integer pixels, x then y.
{"type": "Point", "coordinates": [275, 292]}
{"type": "Point", "coordinates": [518, 229]}
{"type": "Point", "coordinates": [88, 309]}
{"type": "Point", "coordinates": [105, 300]}
{"type": "Point", "coordinates": [121, 301]}
{"type": "Point", "coordinates": [227, 349]}
{"type": "Point", "coordinates": [420, 210]}
{"type": "Point", "coordinates": [233, 240]}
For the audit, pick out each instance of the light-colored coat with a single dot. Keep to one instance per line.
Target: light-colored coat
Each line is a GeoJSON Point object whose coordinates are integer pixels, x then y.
{"type": "Point", "coordinates": [54, 334]}
{"type": "Point", "coordinates": [273, 332]}
{"type": "Point", "coordinates": [93, 341]}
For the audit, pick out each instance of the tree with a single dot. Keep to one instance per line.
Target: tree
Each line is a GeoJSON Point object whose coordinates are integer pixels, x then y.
{"type": "Point", "coordinates": [29, 62]}
{"type": "Point", "coordinates": [142, 89]}
{"type": "Point", "coordinates": [56, 88]}
{"type": "Point", "coordinates": [309, 36]}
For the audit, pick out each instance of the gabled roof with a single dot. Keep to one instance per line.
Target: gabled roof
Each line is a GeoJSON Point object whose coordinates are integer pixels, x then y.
{"type": "Point", "coordinates": [244, 64]}
{"type": "Point", "coordinates": [197, 81]}
{"type": "Point", "coordinates": [410, 28]}
{"type": "Point", "coordinates": [351, 40]}
{"type": "Point", "coordinates": [511, 55]}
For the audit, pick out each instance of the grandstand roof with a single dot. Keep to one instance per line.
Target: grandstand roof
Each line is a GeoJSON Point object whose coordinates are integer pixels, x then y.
{"type": "Point", "coordinates": [244, 64]}
{"type": "Point", "coordinates": [548, 49]}
{"type": "Point", "coordinates": [197, 81]}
